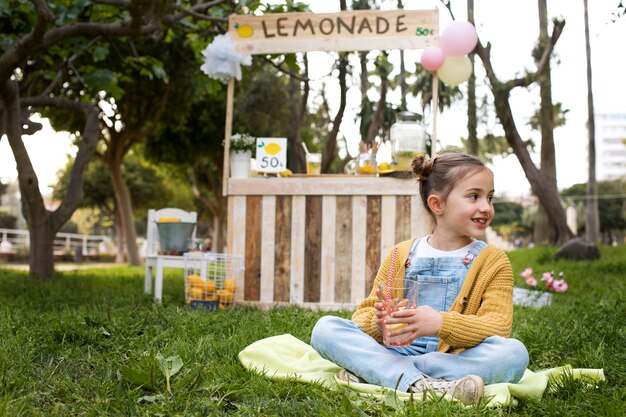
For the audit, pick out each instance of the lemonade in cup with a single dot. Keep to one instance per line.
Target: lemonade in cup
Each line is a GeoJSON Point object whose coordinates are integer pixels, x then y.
{"type": "Point", "coordinates": [396, 299]}
{"type": "Point", "coordinates": [313, 163]}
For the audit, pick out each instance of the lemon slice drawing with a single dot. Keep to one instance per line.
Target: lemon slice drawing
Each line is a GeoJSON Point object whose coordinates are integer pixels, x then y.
{"type": "Point", "coordinates": [272, 148]}
{"type": "Point", "coordinates": [244, 31]}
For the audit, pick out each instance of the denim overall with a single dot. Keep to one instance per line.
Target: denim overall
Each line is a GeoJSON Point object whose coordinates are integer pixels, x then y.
{"type": "Point", "coordinates": [496, 359]}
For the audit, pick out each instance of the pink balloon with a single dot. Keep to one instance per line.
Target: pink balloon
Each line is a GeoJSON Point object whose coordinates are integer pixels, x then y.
{"type": "Point", "coordinates": [458, 39]}
{"type": "Point", "coordinates": [432, 58]}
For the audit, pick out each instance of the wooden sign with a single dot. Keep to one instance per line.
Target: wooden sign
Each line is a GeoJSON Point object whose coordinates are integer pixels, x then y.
{"type": "Point", "coordinates": [271, 154]}
{"type": "Point", "coordinates": [359, 30]}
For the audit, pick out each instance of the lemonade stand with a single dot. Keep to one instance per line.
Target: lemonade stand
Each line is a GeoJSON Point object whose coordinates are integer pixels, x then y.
{"type": "Point", "coordinates": [318, 240]}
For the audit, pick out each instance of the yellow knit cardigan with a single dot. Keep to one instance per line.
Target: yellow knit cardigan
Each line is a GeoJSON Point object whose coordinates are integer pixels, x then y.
{"type": "Point", "coordinates": [483, 307]}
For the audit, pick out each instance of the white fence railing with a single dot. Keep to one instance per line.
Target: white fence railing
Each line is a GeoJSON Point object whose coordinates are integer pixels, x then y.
{"type": "Point", "coordinates": [18, 241]}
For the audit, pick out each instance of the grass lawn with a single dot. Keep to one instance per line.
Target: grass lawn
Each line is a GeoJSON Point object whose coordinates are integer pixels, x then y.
{"type": "Point", "coordinates": [84, 343]}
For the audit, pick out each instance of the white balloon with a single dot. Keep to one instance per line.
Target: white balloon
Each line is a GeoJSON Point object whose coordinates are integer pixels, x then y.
{"type": "Point", "coordinates": [455, 70]}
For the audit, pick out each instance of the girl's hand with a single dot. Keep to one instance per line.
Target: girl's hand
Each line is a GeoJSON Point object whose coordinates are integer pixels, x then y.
{"type": "Point", "coordinates": [380, 313]}
{"type": "Point", "coordinates": [421, 321]}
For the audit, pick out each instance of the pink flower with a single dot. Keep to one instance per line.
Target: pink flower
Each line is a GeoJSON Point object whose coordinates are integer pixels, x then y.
{"type": "Point", "coordinates": [531, 281]}
{"type": "Point", "coordinates": [548, 277]}
{"type": "Point", "coordinates": [527, 273]}
{"type": "Point", "coordinates": [560, 285]}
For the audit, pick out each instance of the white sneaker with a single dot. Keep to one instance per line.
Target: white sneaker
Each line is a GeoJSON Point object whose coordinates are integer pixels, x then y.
{"type": "Point", "coordinates": [348, 376]}
{"type": "Point", "coordinates": [468, 390]}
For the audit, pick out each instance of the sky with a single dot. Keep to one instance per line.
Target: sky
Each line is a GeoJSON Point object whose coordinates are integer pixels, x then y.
{"type": "Point", "coordinates": [511, 27]}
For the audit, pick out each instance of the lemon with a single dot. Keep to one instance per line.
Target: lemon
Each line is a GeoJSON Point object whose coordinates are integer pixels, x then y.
{"type": "Point", "coordinates": [230, 285]}
{"type": "Point", "coordinates": [244, 31]}
{"type": "Point", "coordinates": [225, 296]}
{"type": "Point", "coordinates": [285, 173]}
{"type": "Point", "coordinates": [196, 293]}
{"type": "Point", "coordinates": [397, 326]}
{"type": "Point", "coordinates": [195, 280]}
{"type": "Point", "coordinates": [272, 148]}
{"type": "Point", "coordinates": [384, 166]}
{"type": "Point", "coordinates": [169, 220]}
{"type": "Point", "coordinates": [367, 169]}
{"type": "Point", "coordinates": [209, 286]}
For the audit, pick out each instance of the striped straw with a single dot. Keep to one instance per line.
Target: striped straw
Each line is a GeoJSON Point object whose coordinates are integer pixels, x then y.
{"type": "Point", "coordinates": [390, 278]}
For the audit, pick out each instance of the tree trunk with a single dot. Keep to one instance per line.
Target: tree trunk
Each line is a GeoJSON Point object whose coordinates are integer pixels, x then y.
{"type": "Point", "coordinates": [296, 151]}
{"type": "Point", "coordinates": [43, 224]}
{"type": "Point", "coordinates": [125, 209]}
{"type": "Point", "coordinates": [403, 85]}
{"type": "Point", "coordinates": [539, 184]}
{"type": "Point", "coordinates": [330, 149]}
{"type": "Point", "coordinates": [41, 254]}
{"type": "Point", "coordinates": [331, 144]}
{"type": "Point", "coordinates": [544, 233]}
{"type": "Point", "coordinates": [119, 234]}
{"type": "Point", "coordinates": [546, 194]}
{"type": "Point", "coordinates": [592, 223]}
{"type": "Point", "coordinates": [472, 136]}
{"type": "Point", "coordinates": [377, 117]}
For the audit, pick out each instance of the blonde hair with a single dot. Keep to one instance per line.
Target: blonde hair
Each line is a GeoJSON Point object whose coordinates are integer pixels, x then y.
{"type": "Point", "coordinates": [440, 173]}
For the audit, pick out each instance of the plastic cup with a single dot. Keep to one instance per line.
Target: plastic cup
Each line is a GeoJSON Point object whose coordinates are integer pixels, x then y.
{"type": "Point", "coordinates": [313, 163]}
{"type": "Point", "coordinates": [395, 299]}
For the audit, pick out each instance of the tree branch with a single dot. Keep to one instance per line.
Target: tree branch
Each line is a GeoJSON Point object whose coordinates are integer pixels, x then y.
{"type": "Point", "coordinates": [286, 71]}
{"type": "Point", "coordinates": [543, 61]}
{"type": "Point", "coordinates": [194, 12]}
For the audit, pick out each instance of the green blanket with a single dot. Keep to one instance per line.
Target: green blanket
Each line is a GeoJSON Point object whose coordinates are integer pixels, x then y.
{"type": "Point", "coordinates": [284, 356]}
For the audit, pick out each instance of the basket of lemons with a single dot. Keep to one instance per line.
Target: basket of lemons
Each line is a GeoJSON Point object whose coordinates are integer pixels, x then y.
{"type": "Point", "coordinates": [211, 280]}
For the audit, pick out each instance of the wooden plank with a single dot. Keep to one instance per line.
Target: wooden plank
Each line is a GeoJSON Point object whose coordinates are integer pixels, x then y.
{"type": "Point", "coordinates": [343, 250]}
{"type": "Point", "coordinates": [268, 243]}
{"type": "Point", "coordinates": [322, 185]}
{"type": "Point", "coordinates": [343, 31]}
{"type": "Point", "coordinates": [237, 236]}
{"type": "Point", "coordinates": [312, 249]}
{"type": "Point", "coordinates": [372, 258]}
{"type": "Point", "coordinates": [403, 218]}
{"type": "Point", "coordinates": [327, 279]}
{"type": "Point", "coordinates": [282, 261]}
{"type": "Point", "coordinates": [228, 129]}
{"type": "Point", "coordinates": [298, 215]}
{"type": "Point", "coordinates": [252, 260]}
{"type": "Point", "coordinates": [388, 225]}
{"type": "Point", "coordinates": [360, 225]}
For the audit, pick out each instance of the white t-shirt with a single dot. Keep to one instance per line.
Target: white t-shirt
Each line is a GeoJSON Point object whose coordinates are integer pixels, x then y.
{"type": "Point", "coordinates": [424, 250]}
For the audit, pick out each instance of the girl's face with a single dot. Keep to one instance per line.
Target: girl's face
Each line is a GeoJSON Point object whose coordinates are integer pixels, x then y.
{"type": "Point", "coordinates": [468, 210]}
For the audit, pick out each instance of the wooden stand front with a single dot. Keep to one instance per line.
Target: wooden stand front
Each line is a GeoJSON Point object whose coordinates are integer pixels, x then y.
{"type": "Point", "coordinates": [317, 241]}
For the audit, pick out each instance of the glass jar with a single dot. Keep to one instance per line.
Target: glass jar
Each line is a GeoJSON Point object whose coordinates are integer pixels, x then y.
{"type": "Point", "coordinates": [366, 164]}
{"type": "Point", "coordinates": [408, 139]}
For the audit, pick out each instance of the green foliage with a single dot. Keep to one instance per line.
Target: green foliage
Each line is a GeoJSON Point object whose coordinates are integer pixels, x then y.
{"type": "Point", "coordinates": [507, 212]}
{"type": "Point", "coordinates": [559, 117]}
{"type": "Point", "coordinates": [422, 87]}
{"type": "Point", "coordinates": [147, 186]}
{"type": "Point", "coordinates": [611, 204]}
{"type": "Point", "coordinates": [91, 342]}
{"type": "Point", "coordinates": [7, 221]}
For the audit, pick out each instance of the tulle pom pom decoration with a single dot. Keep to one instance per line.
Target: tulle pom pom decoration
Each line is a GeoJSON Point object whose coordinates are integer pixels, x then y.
{"type": "Point", "coordinates": [221, 60]}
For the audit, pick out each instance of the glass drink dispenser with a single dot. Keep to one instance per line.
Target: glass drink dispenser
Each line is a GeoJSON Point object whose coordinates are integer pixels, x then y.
{"type": "Point", "coordinates": [408, 138]}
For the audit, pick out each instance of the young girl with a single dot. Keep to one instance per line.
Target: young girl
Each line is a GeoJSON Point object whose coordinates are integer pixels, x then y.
{"type": "Point", "coordinates": [459, 332]}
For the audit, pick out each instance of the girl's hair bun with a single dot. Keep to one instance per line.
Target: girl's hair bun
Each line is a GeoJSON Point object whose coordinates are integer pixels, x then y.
{"type": "Point", "coordinates": [421, 166]}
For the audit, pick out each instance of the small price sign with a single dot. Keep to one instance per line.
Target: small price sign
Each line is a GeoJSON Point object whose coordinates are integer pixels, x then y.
{"type": "Point", "coordinates": [271, 154]}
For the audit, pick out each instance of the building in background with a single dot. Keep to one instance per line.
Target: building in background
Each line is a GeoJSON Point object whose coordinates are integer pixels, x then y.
{"type": "Point", "coordinates": [610, 145]}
